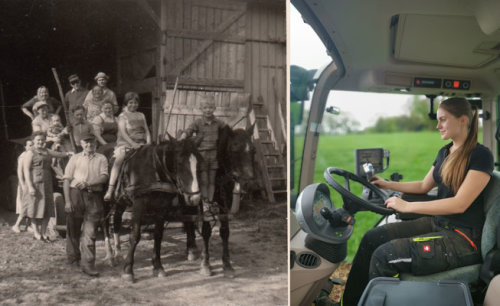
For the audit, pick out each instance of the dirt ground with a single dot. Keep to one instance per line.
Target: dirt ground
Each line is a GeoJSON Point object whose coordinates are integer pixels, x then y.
{"type": "Point", "coordinates": [33, 272]}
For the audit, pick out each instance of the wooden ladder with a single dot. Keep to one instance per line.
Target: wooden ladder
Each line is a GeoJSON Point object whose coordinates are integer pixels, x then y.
{"type": "Point", "coordinates": [270, 158]}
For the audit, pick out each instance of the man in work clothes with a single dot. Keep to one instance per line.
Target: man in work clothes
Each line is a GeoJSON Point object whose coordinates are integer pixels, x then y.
{"type": "Point", "coordinates": [84, 177]}
{"type": "Point", "coordinates": [76, 95]}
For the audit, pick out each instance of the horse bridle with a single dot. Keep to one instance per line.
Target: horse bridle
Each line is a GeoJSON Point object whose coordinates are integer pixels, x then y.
{"type": "Point", "coordinates": [174, 178]}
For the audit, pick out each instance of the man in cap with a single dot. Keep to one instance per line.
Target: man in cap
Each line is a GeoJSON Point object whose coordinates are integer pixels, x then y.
{"type": "Point", "coordinates": [84, 178]}
{"type": "Point", "coordinates": [102, 80]}
{"type": "Point", "coordinates": [77, 94]}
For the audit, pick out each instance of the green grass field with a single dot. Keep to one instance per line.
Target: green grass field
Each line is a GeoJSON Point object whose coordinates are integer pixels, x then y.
{"type": "Point", "coordinates": [411, 154]}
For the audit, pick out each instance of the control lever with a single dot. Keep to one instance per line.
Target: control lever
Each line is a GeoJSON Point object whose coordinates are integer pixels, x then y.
{"type": "Point", "coordinates": [337, 217]}
{"type": "Point", "coordinates": [369, 171]}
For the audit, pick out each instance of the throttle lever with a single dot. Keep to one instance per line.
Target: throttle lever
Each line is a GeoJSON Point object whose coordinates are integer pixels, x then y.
{"type": "Point", "coordinates": [337, 217]}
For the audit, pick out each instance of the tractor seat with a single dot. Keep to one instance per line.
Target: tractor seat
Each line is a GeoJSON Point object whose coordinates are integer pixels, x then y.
{"type": "Point", "coordinates": [470, 274]}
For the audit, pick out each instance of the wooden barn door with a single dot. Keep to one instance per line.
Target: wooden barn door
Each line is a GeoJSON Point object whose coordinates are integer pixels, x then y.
{"type": "Point", "coordinates": [204, 52]}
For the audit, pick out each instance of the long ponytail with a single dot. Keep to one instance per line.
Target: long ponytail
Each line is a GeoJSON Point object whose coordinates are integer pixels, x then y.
{"type": "Point", "coordinates": [454, 166]}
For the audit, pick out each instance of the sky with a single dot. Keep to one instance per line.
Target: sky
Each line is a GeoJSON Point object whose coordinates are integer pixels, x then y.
{"type": "Point", "coordinates": [307, 51]}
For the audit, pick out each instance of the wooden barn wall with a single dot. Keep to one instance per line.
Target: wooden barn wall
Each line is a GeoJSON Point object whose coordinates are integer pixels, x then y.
{"type": "Point", "coordinates": [266, 66]}
{"type": "Point", "coordinates": [206, 43]}
{"type": "Point", "coordinates": [186, 107]}
{"type": "Point", "coordinates": [213, 46]}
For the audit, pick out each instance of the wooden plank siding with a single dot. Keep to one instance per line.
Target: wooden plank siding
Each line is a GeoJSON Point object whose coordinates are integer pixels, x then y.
{"type": "Point", "coordinates": [185, 107]}
{"type": "Point", "coordinates": [227, 47]}
{"type": "Point", "coordinates": [266, 69]}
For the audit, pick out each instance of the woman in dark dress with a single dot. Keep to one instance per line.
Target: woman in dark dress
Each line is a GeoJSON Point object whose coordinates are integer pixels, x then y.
{"type": "Point", "coordinates": [39, 198]}
{"type": "Point", "coordinates": [105, 128]}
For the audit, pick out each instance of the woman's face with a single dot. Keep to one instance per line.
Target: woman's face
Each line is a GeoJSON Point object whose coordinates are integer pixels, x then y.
{"type": "Point", "coordinates": [39, 141]}
{"type": "Point", "coordinates": [450, 126]}
{"type": "Point", "coordinates": [29, 145]}
{"type": "Point", "coordinates": [42, 94]}
{"type": "Point", "coordinates": [107, 109]}
{"type": "Point", "coordinates": [101, 82]}
{"type": "Point", "coordinates": [132, 105]}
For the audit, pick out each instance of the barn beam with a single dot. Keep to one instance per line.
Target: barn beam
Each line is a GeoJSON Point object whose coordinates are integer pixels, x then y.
{"type": "Point", "coordinates": [209, 82]}
{"type": "Point", "coordinates": [223, 26]}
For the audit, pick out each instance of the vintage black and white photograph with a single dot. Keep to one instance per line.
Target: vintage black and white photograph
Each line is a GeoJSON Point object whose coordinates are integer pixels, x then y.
{"type": "Point", "coordinates": [143, 152]}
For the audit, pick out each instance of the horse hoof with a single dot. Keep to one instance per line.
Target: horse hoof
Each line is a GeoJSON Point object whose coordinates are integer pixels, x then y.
{"type": "Point", "coordinates": [128, 277]}
{"type": "Point", "coordinates": [160, 273]}
{"type": "Point", "coordinates": [206, 271]}
{"type": "Point", "coordinates": [229, 272]}
{"type": "Point", "coordinates": [110, 260]}
{"type": "Point", "coordinates": [192, 255]}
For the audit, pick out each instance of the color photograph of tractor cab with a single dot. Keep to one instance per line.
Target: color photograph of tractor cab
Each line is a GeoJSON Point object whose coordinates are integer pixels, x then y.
{"type": "Point", "coordinates": [355, 175]}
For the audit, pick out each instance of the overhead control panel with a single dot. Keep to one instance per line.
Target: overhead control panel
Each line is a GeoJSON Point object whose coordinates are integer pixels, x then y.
{"type": "Point", "coordinates": [423, 82]}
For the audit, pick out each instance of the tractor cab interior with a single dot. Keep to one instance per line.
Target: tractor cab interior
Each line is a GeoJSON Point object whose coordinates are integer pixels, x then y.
{"type": "Point", "coordinates": [435, 50]}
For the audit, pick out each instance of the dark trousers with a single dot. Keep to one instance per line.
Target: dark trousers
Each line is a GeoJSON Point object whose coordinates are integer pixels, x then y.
{"type": "Point", "coordinates": [82, 225]}
{"type": "Point", "coordinates": [419, 247]}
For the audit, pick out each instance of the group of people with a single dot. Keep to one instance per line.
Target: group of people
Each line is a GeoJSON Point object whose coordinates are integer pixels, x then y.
{"type": "Point", "coordinates": [94, 129]}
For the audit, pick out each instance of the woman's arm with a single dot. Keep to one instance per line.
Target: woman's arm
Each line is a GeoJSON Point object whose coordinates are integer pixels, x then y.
{"type": "Point", "coordinates": [418, 187]}
{"type": "Point", "coordinates": [96, 125]}
{"type": "Point", "coordinates": [20, 174]}
{"type": "Point", "coordinates": [474, 183]}
{"type": "Point", "coordinates": [26, 170]}
{"type": "Point", "coordinates": [59, 154]}
{"type": "Point", "coordinates": [146, 129]}
{"type": "Point", "coordinates": [123, 133]}
{"type": "Point", "coordinates": [54, 103]}
{"type": "Point", "coordinates": [29, 104]}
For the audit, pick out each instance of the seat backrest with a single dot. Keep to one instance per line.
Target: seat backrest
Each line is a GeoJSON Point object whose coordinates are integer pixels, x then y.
{"type": "Point", "coordinates": [492, 211]}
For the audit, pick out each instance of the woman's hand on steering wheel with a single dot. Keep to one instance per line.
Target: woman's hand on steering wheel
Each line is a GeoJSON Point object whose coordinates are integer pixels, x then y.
{"type": "Point", "coordinates": [380, 182]}
{"type": "Point", "coordinates": [398, 204]}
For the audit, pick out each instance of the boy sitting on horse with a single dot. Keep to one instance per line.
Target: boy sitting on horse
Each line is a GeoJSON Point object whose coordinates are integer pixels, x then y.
{"type": "Point", "coordinates": [207, 128]}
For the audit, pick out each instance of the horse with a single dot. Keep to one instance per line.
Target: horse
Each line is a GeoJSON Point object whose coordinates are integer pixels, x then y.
{"type": "Point", "coordinates": [236, 171]}
{"type": "Point", "coordinates": [148, 182]}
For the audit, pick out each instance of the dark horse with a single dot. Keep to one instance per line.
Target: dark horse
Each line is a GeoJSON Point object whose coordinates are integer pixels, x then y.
{"type": "Point", "coordinates": [236, 172]}
{"type": "Point", "coordinates": [149, 181]}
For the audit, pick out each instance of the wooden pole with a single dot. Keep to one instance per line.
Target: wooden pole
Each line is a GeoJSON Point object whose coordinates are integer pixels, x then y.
{"type": "Point", "coordinates": [172, 105]}
{"type": "Point", "coordinates": [65, 108]}
{"type": "Point", "coordinates": [4, 117]}
{"type": "Point", "coordinates": [163, 72]}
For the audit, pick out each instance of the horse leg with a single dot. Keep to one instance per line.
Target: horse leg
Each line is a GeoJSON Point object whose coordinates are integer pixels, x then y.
{"type": "Point", "coordinates": [135, 236]}
{"type": "Point", "coordinates": [117, 225]}
{"type": "Point", "coordinates": [107, 236]}
{"type": "Point", "coordinates": [158, 236]}
{"type": "Point", "coordinates": [189, 227]}
{"type": "Point", "coordinates": [226, 262]}
{"type": "Point", "coordinates": [206, 232]}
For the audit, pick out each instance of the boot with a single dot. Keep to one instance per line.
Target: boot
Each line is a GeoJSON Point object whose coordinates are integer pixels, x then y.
{"type": "Point", "coordinates": [89, 270]}
{"type": "Point", "coordinates": [109, 194]}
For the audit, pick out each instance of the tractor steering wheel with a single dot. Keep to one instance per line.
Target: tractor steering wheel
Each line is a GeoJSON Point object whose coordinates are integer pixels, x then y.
{"type": "Point", "coordinates": [352, 202]}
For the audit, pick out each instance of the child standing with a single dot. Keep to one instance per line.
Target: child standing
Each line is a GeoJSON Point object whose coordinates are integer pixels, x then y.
{"type": "Point", "coordinates": [21, 187]}
{"type": "Point", "coordinates": [207, 128]}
